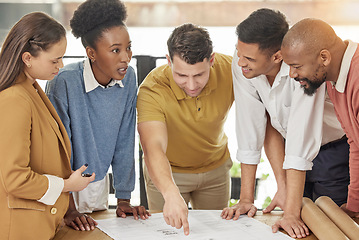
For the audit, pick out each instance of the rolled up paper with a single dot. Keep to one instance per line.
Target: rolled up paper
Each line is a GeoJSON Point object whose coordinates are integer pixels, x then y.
{"type": "Point", "coordinates": [319, 223]}
{"type": "Point", "coordinates": [345, 223]}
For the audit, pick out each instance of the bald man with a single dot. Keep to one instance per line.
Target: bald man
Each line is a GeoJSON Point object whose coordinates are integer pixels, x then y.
{"type": "Point", "coordinates": [313, 138]}
{"type": "Point", "coordinates": [316, 55]}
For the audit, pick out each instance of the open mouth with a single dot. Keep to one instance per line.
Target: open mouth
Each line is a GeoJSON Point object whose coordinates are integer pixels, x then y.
{"type": "Point", "coordinates": [302, 81]}
{"type": "Point", "coordinates": [122, 71]}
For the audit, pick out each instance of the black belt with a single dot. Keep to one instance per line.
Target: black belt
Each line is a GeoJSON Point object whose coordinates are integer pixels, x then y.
{"type": "Point", "coordinates": [334, 143]}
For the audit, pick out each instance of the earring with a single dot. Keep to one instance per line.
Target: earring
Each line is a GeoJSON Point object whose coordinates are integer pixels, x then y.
{"type": "Point", "coordinates": [93, 60]}
{"type": "Point", "coordinates": [28, 65]}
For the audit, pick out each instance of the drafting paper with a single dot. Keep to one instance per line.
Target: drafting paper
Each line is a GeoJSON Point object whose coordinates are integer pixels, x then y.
{"type": "Point", "coordinates": [204, 225]}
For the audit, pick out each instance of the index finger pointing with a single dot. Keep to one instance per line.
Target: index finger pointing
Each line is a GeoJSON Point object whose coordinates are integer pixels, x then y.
{"type": "Point", "coordinates": [185, 226]}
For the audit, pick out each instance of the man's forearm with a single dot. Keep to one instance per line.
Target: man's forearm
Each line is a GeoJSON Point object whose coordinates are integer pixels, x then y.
{"type": "Point", "coordinates": [153, 136]}
{"type": "Point", "coordinates": [159, 170]}
{"type": "Point", "coordinates": [295, 188]}
{"type": "Point", "coordinates": [248, 178]}
{"type": "Point", "coordinates": [274, 149]}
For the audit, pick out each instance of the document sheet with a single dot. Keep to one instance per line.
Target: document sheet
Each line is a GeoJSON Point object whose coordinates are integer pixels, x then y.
{"type": "Point", "coordinates": [204, 225]}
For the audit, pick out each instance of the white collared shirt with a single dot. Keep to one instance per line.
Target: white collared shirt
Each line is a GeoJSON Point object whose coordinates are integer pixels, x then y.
{"type": "Point", "coordinates": [90, 80]}
{"type": "Point", "coordinates": [306, 122]}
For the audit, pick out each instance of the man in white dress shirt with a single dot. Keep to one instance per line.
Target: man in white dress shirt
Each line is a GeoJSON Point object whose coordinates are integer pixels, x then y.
{"type": "Point", "coordinates": [309, 136]}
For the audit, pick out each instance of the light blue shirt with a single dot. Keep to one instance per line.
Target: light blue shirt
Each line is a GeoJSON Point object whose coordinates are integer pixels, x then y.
{"type": "Point", "coordinates": [100, 123]}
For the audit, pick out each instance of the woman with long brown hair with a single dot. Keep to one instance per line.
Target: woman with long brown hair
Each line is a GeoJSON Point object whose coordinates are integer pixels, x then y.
{"type": "Point", "coordinates": [35, 151]}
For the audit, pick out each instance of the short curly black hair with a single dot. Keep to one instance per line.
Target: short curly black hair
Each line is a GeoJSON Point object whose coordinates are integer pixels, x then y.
{"type": "Point", "coordinates": [93, 17]}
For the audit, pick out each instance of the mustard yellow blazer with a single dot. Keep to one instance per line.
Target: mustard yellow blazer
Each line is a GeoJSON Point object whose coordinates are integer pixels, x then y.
{"type": "Point", "coordinates": [33, 142]}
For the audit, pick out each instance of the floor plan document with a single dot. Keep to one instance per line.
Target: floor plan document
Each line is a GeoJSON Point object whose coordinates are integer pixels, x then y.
{"type": "Point", "coordinates": [204, 225]}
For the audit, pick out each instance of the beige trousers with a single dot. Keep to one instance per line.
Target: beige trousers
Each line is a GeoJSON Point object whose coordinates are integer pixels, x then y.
{"type": "Point", "coordinates": [208, 190]}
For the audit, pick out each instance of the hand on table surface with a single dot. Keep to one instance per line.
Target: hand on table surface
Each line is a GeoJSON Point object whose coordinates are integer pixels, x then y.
{"type": "Point", "coordinates": [350, 213]}
{"type": "Point", "coordinates": [124, 207]}
{"type": "Point", "coordinates": [79, 221]}
{"type": "Point", "coordinates": [293, 225]}
{"type": "Point", "coordinates": [277, 201]}
{"type": "Point", "coordinates": [242, 207]}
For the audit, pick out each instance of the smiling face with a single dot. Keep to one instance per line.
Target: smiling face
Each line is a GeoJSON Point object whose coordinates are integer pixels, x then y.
{"type": "Point", "coordinates": [46, 64]}
{"type": "Point", "coordinates": [306, 68]}
{"type": "Point", "coordinates": [112, 55]}
{"type": "Point", "coordinates": [190, 78]}
{"type": "Point", "coordinates": [253, 61]}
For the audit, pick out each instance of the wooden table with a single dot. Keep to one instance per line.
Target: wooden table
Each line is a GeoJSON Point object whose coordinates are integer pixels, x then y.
{"type": "Point", "coordinates": [67, 233]}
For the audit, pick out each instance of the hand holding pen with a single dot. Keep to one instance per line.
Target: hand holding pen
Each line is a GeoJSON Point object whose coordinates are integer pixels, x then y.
{"type": "Point", "coordinates": [76, 182]}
